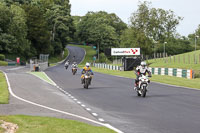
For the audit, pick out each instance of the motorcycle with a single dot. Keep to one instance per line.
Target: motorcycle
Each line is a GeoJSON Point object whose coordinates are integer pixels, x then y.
{"type": "Point", "coordinates": [74, 70]}
{"type": "Point", "coordinates": [87, 79]}
{"type": "Point", "coordinates": [66, 67]}
{"type": "Point", "coordinates": [143, 85]}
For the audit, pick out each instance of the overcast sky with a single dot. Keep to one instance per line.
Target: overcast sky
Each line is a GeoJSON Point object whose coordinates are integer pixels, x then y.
{"type": "Point", "coordinates": [189, 9]}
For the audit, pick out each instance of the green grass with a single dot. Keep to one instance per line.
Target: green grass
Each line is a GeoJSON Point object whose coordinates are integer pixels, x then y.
{"type": "Point", "coordinates": [4, 94]}
{"type": "Point", "coordinates": [177, 61]}
{"type": "Point", "coordinates": [54, 60]}
{"type": "Point", "coordinates": [3, 63]}
{"type": "Point", "coordinates": [42, 76]}
{"type": "Point", "coordinates": [191, 83]}
{"type": "Point", "coordinates": [90, 52]}
{"type": "Point", "coordinates": [33, 124]}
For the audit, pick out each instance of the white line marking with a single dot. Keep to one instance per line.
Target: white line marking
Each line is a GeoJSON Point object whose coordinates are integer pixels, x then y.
{"type": "Point", "coordinates": [95, 114]}
{"type": "Point", "coordinates": [83, 105]}
{"type": "Point", "coordinates": [15, 68]}
{"type": "Point", "coordinates": [52, 109]}
{"type": "Point", "coordinates": [100, 119]}
{"type": "Point", "coordinates": [78, 102]}
{"type": "Point", "coordinates": [88, 109]}
{"type": "Point", "coordinates": [75, 99]}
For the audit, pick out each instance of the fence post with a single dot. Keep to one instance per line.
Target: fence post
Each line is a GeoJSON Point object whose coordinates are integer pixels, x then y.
{"type": "Point", "coordinates": [199, 58]}
{"type": "Point", "coordinates": [189, 58]}
{"type": "Point", "coordinates": [184, 58]}
{"type": "Point", "coordinates": [179, 59]}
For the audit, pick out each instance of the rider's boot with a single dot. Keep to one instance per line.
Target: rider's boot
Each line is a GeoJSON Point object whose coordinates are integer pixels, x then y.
{"type": "Point", "coordinates": [136, 87]}
{"type": "Point", "coordinates": [82, 81]}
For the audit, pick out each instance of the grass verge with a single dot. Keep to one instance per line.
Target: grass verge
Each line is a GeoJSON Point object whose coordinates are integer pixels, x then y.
{"type": "Point", "coordinates": [35, 124]}
{"type": "Point", "coordinates": [54, 60]}
{"type": "Point", "coordinates": [190, 60]}
{"type": "Point", "coordinates": [42, 76]}
{"type": "Point", "coordinates": [3, 63]}
{"type": "Point", "coordinates": [4, 94]}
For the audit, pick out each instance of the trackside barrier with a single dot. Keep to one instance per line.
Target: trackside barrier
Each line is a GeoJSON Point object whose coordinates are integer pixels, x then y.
{"type": "Point", "coordinates": [107, 66]}
{"type": "Point", "coordinates": [182, 73]}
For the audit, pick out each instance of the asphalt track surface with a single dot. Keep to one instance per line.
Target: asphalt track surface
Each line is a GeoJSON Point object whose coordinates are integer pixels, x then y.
{"type": "Point", "coordinates": [165, 109]}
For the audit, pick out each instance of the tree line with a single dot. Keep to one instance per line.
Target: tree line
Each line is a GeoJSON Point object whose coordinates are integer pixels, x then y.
{"type": "Point", "coordinates": [32, 27]}
{"type": "Point", "coordinates": [29, 28]}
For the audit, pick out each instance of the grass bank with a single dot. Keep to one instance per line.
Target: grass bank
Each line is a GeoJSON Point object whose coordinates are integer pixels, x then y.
{"type": "Point", "coordinates": [43, 76]}
{"type": "Point", "coordinates": [190, 60]}
{"type": "Point", "coordinates": [4, 94]}
{"type": "Point", "coordinates": [191, 83]}
{"type": "Point", "coordinates": [35, 124]}
{"type": "Point", "coordinates": [3, 63]}
{"type": "Point", "coordinates": [54, 60]}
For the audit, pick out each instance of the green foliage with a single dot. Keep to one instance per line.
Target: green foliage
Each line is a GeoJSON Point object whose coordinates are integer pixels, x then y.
{"type": "Point", "coordinates": [2, 57]}
{"type": "Point", "coordinates": [37, 29]}
{"type": "Point", "coordinates": [35, 124]}
{"type": "Point", "coordinates": [150, 28]}
{"type": "Point", "coordinates": [29, 28]}
{"type": "Point", "coordinates": [4, 94]}
{"type": "Point", "coordinates": [100, 28]}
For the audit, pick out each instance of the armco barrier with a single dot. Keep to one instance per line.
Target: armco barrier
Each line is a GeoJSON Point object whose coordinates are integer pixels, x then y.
{"type": "Point", "coordinates": [183, 73]}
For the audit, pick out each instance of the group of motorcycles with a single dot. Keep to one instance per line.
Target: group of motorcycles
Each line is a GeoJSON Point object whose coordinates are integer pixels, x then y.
{"type": "Point", "coordinates": [142, 85]}
{"type": "Point", "coordinates": [87, 76]}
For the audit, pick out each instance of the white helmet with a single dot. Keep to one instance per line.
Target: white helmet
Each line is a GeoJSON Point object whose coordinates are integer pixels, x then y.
{"type": "Point", "coordinates": [87, 64]}
{"type": "Point", "coordinates": [143, 63]}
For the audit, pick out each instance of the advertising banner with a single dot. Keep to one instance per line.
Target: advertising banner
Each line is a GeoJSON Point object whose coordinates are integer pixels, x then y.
{"type": "Point", "coordinates": [125, 51]}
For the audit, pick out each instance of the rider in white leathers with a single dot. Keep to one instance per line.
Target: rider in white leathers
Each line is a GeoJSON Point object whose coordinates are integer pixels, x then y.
{"type": "Point", "coordinates": [141, 70]}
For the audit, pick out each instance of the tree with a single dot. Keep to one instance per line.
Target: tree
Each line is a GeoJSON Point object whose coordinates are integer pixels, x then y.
{"type": "Point", "coordinates": [149, 25]}
{"type": "Point", "coordinates": [100, 28]}
{"type": "Point", "coordinates": [38, 32]}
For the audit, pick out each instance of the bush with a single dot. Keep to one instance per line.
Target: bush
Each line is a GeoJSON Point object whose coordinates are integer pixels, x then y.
{"type": "Point", "coordinates": [2, 57]}
{"type": "Point", "coordinates": [3, 63]}
{"type": "Point", "coordinates": [196, 74]}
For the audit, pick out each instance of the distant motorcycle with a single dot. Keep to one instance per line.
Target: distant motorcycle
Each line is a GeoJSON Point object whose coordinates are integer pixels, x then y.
{"type": "Point", "coordinates": [87, 79]}
{"type": "Point", "coordinates": [74, 70]}
{"type": "Point", "coordinates": [143, 85]}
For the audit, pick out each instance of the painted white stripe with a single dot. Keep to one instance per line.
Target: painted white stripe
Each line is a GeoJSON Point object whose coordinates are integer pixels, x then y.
{"type": "Point", "coordinates": [59, 111]}
{"type": "Point", "coordinates": [16, 68]}
{"type": "Point", "coordinates": [100, 119]}
{"type": "Point", "coordinates": [88, 109]}
{"type": "Point", "coordinates": [95, 114]}
{"type": "Point", "coordinates": [83, 105]}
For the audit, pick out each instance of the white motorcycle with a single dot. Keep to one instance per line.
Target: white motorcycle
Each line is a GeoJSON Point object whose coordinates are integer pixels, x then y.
{"type": "Point", "coordinates": [143, 85]}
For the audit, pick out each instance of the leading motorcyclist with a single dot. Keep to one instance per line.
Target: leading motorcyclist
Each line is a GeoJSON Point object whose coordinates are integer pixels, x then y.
{"type": "Point", "coordinates": [84, 70]}
{"type": "Point", "coordinates": [66, 64]}
{"type": "Point", "coordinates": [141, 70]}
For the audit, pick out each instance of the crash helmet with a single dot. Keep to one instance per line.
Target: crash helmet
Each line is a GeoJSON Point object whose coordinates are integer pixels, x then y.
{"type": "Point", "coordinates": [143, 64]}
{"type": "Point", "coordinates": [87, 64]}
